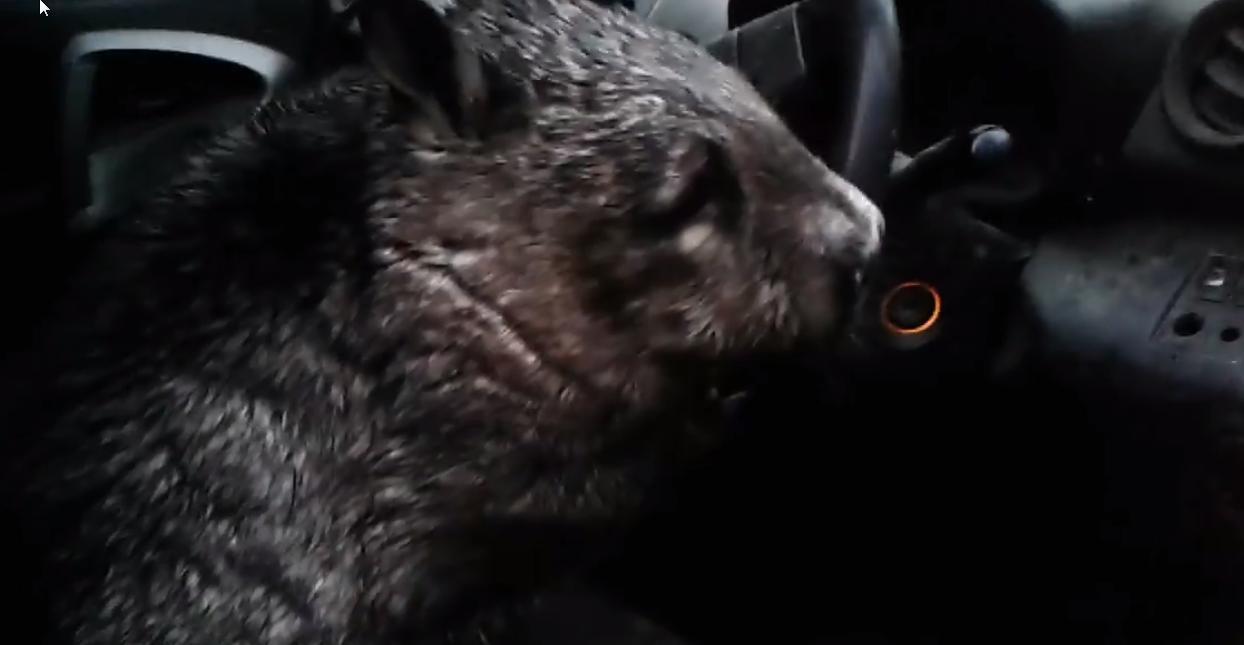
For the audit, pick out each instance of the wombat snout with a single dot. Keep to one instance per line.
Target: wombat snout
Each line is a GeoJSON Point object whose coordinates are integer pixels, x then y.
{"type": "Point", "coordinates": [851, 224]}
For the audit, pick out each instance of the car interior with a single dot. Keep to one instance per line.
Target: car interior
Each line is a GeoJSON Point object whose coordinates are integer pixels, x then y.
{"type": "Point", "coordinates": [1034, 427]}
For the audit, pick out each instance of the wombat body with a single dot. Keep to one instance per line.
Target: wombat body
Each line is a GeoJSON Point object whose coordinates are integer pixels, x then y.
{"type": "Point", "coordinates": [411, 343]}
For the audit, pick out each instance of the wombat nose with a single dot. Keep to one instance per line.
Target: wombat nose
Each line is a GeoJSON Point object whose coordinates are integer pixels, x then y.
{"type": "Point", "coordinates": [852, 235]}
{"type": "Point", "coordinates": [873, 229]}
{"type": "Point", "coordinates": [855, 226]}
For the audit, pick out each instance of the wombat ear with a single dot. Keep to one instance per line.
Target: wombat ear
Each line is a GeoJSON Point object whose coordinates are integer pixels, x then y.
{"type": "Point", "coordinates": [414, 47]}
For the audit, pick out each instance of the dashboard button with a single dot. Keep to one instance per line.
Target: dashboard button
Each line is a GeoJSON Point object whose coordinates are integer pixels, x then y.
{"type": "Point", "coordinates": [1217, 279]}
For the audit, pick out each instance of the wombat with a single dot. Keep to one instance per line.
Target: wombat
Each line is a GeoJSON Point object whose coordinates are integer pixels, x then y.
{"type": "Point", "coordinates": [415, 341]}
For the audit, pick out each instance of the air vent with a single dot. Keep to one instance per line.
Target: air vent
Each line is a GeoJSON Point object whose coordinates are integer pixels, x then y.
{"type": "Point", "coordinates": [1218, 95]}
{"type": "Point", "coordinates": [1203, 90]}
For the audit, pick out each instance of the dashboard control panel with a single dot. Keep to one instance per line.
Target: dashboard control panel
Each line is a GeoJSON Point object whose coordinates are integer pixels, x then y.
{"type": "Point", "coordinates": [1148, 305]}
{"type": "Point", "coordinates": [1207, 313]}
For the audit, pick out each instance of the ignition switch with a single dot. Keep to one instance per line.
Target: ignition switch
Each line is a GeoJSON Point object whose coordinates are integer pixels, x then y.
{"type": "Point", "coordinates": [911, 309]}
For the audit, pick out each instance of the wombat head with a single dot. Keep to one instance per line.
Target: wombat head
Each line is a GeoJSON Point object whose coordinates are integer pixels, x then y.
{"type": "Point", "coordinates": [615, 192]}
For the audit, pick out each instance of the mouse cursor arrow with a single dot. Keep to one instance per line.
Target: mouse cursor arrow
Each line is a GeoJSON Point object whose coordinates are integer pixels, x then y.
{"type": "Point", "coordinates": [43, 8]}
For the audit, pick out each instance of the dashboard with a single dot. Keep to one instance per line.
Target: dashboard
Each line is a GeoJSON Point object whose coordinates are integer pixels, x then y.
{"type": "Point", "coordinates": [1146, 289]}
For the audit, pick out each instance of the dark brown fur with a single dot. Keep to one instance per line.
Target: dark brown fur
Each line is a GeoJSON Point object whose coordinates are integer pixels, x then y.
{"type": "Point", "coordinates": [359, 375]}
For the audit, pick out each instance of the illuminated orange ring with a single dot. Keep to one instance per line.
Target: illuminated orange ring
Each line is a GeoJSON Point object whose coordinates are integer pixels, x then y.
{"type": "Point", "coordinates": [923, 327]}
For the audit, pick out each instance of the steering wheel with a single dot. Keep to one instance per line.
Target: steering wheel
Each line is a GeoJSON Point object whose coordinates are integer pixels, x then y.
{"type": "Point", "coordinates": [831, 68]}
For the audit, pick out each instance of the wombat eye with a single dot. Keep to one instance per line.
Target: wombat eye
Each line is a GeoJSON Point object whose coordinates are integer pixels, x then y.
{"type": "Point", "coordinates": [696, 181]}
